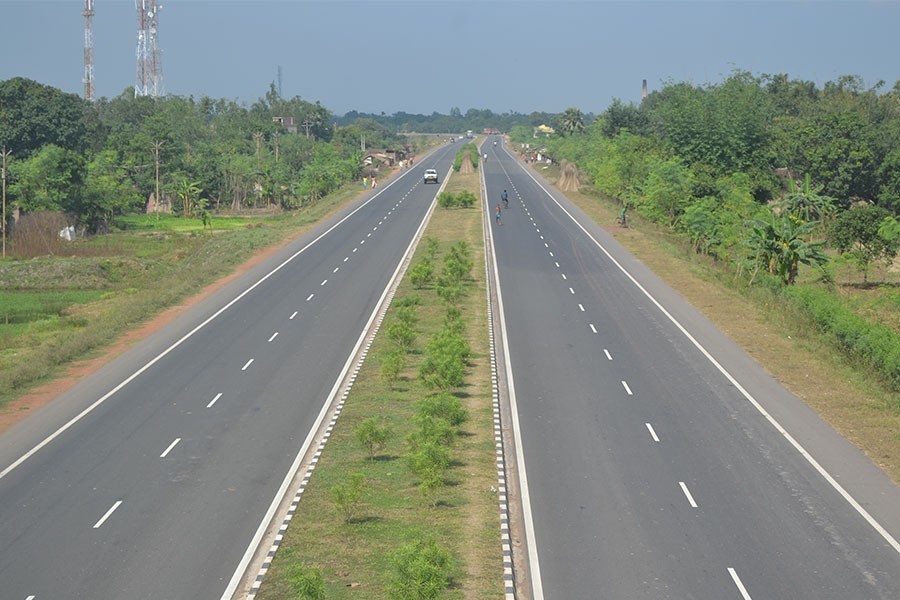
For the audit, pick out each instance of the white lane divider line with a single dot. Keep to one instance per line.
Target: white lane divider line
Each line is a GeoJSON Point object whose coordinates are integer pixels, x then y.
{"type": "Point", "coordinates": [374, 229]}
{"type": "Point", "coordinates": [594, 329]}
{"type": "Point", "coordinates": [274, 335]}
{"type": "Point", "coordinates": [214, 400]}
{"type": "Point", "coordinates": [292, 316]}
{"type": "Point", "coordinates": [737, 581]}
{"type": "Point", "coordinates": [687, 494]}
{"type": "Point", "coordinates": [546, 245]}
{"type": "Point", "coordinates": [581, 306]}
{"type": "Point", "coordinates": [551, 253]}
{"type": "Point", "coordinates": [249, 362]}
{"type": "Point", "coordinates": [310, 297]}
{"type": "Point", "coordinates": [542, 237]}
{"type": "Point", "coordinates": [324, 281]}
{"type": "Point", "coordinates": [557, 264]}
{"type": "Point", "coordinates": [336, 269]}
{"type": "Point", "coordinates": [564, 276]}
{"type": "Point", "coordinates": [368, 235]}
{"type": "Point", "coordinates": [107, 515]}
{"type": "Point", "coordinates": [627, 389]}
{"type": "Point", "coordinates": [608, 355]}
{"type": "Point", "coordinates": [652, 432]}
{"type": "Point", "coordinates": [355, 249]}
{"type": "Point", "coordinates": [346, 258]}
{"type": "Point", "coordinates": [361, 242]}
{"type": "Point", "coordinates": [31, 597]}
{"type": "Point", "coordinates": [571, 291]}
{"type": "Point", "coordinates": [169, 449]}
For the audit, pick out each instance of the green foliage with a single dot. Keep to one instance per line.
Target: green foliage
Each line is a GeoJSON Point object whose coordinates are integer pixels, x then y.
{"type": "Point", "coordinates": [805, 203]}
{"type": "Point", "coordinates": [666, 191]}
{"type": "Point", "coordinates": [51, 179]}
{"type": "Point", "coordinates": [373, 435]}
{"type": "Point", "coordinates": [779, 246]}
{"type": "Point", "coordinates": [857, 232]}
{"type": "Point", "coordinates": [874, 345]}
{"type": "Point", "coordinates": [420, 570]}
{"type": "Point", "coordinates": [444, 406]}
{"type": "Point", "coordinates": [346, 496]}
{"type": "Point", "coordinates": [447, 200]}
{"type": "Point", "coordinates": [306, 582]}
{"type": "Point", "coordinates": [431, 247]}
{"type": "Point", "coordinates": [392, 366]}
{"type": "Point", "coordinates": [401, 333]}
{"type": "Point", "coordinates": [33, 115]}
{"type": "Point", "coordinates": [422, 273]}
{"type": "Point", "coordinates": [572, 121]}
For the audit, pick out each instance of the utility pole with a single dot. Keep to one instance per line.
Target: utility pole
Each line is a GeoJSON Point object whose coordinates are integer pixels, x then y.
{"type": "Point", "coordinates": [307, 124]}
{"type": "Point", "coordinates": [275, 137]}
{"type": "Point", "coordinates": [88, 15]}
{"type": "Point", "coordinates": [156, 148]}
{"type": "Point", "coordinates": [5, 153]}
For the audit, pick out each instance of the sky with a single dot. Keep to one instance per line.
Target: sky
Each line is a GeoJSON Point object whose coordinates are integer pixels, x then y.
{"type": "Point", "coordinates": [427, 56]}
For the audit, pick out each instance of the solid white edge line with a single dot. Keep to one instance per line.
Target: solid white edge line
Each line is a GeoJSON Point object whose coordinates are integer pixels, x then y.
{"type": "Point", "coordinates": [183, 338]}
{"type": "Point", "coordinates": [687, 493]}
{"type": "Point", "coordinates": [249, 362]}
{"type": "Point", "coordinates": [214, 400]}
{"type": "Point", "coordinates": [652, 432]}
{"type": "Point", "coordinates": [111, 510]}
{"type": "Point", "coordinates": [169, 449]}
{"type": "Point", "coordinates": [537, 587]}
{"type": "Point", "coordinates": [885, 534]}
{"type": "Point", "coordinates": [738, 583]}
{"type": "Point", "coordinates": [241, 569]}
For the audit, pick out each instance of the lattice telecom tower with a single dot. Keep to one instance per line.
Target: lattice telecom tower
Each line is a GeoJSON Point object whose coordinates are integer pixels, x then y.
{"type": "Point", "coordinates": [149, 66]}
{"type": "Point", "coordinates": [88, 50]}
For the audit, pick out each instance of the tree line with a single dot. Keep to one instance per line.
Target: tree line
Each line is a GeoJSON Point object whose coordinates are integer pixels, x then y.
{"type": "Point", "coordinates": [97, 160]}
{"type": "Point", "coordinates": [759, 171]}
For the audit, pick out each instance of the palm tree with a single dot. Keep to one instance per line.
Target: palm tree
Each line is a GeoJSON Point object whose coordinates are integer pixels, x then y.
{"type": "Point", "coordinates": [572, 121]}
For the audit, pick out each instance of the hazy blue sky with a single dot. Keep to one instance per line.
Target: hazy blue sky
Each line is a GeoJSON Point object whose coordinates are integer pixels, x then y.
{"type": "Point", "coordinates": [424, 56]}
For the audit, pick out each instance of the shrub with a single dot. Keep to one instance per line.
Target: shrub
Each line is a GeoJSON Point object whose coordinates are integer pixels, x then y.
{"type": "Point", "coordinates": [411, 300]}
{"type": "Point", "coordinates": [466, 199]}
{"type": "Point", "coordinates": [431, 246]}
{"type": "Point", "coordinates": [419, 571]}
{"type": "Point", "coordinates": [401, 333]}
{"type": "Point", "coordinates": [444, 406]}
{"type": "Point", "coordinates": [392, 366]}
{"type": "Point", "coordinates": [422, 273]}
{"type": "Point", "coordinates": [442, 369]}
{"type": "Point", "coordinates": [373, 436]}
{"type": "Point", "coordinates": [307, 582]}
{"type": "Point", "coordinates": [447, 200]}
{"type": "Point", "coordinates": [346, 496]}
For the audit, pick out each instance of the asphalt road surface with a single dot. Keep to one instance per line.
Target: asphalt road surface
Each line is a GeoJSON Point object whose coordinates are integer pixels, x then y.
{"type": "Point", "coordinates": [661, 461]}
{"type": "Point", "coordinates": [158, 490]}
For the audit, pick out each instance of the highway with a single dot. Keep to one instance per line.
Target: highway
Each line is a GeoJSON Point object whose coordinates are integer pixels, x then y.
{"type": "Point", "coordinates": [660, 460]}
{"type": "Point", "coordinates": [150, 479]}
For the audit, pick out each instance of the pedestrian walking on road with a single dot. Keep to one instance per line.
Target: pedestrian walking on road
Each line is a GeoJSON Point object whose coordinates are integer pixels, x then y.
{"type": "Point", "coordinates": [374, 183]}
{"type": "Point", "coordinates": [497, 215]}
{"type": "Point", "coordinates": [365, 183]}
{"type": "Point", "coordinates": [505, 197]}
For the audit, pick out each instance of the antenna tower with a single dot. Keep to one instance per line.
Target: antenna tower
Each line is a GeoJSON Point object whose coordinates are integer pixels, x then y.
{"type": "Point", "coordinates": [148, 81]}
{"type": "Point", "coordinates": [88, 50]}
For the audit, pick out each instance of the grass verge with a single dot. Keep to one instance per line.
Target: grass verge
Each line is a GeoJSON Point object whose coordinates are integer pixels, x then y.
{"type": "Point", "coordinates": [355, 555]}
{"type": "Point", "coordinates": [784, 342]}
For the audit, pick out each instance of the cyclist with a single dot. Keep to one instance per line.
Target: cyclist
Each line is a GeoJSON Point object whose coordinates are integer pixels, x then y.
{"type": "Point", "coordinates": [505, 197]}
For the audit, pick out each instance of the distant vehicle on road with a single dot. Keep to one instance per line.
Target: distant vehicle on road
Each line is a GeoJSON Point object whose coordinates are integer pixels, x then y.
{"type": "Point", "coordinates": [431, 176]}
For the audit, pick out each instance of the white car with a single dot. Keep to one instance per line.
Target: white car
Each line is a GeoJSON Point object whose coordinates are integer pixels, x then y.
{"type": "Point", "coordinates": [431, 176]}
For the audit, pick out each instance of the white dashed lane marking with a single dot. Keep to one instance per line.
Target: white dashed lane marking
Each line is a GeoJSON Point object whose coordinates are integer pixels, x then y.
{"type": "Point", "coordinates": [687, 494]}
{"type": "Point", "coordinates": [608, 355]}
{"type": "Point", "coordinates": [737, 581]}
{"type": "Point", "coordinates": [563, 275]}
{"type": "Point", "coordinates": [581, 307]}
{"type": "Point", "coordinates": [346, 258]}
{"type": "Point", "coordinates": [324, 281]}
{"type": "Point", "coordinates": [291, 318]}
{"type": "Point", "coordinates": [594, 329]}
{"type": "Point", "coordinates": [107, 515]}
{"type": "Point", "coordinates": [310, 297]}
{"type": "Point", "coordinates": [627, 389]}
{"type": "Point", "coordinates": [571, 291]}
{"type": "Point", "coordinates": [652, 433]}
{"type": "Point", "coordinates": [274, 335]}
{"type": "Point", "coordinates": [169, 449]}
{"type": "Point", "coordinates": [336, 269]}
{"type": "Point", "coordinates": [249, 362]}
{"type": "Point", "coordinates": [214, 400]}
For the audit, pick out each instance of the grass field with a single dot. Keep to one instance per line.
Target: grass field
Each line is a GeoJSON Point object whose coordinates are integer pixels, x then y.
{"type": "Point", "coordinates": [463, 516]}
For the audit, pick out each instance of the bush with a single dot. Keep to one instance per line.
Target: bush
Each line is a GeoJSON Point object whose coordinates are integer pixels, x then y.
{"type": "Point", "coordinates": [444, 406]}
{"type": "Point", "coordinates": [873, 345]}
{"type": "Point", "coordinates": [307, 582]}
{"type": "Point", "coordinates": [346, 496]}
{"type": "Point", "coordinates": [447, 200]}
{"type": "Point", "coordinates": [422, 273]}
{"type": "Point", "coordinates": [392, 366]}
{"type": "Point", "coordinates": [373, 436]}
{"type": "Point", "coordinates": [419, 571]}
{"type": "Point", "coordinates": [466, 199]}
{"type": "Point", "coordinates": [401, 333]}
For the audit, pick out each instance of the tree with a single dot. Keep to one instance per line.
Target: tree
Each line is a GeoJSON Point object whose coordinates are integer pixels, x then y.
{"type": "Point", "coordinates": [107, 192]}
{"type": "Point", "coordinates": [33, 115]}
{"type": "Point", "coordinates": [779, 246]}
{"type": "Point", "coordinates": [50, 180]}
{"type": "Point", "coordinates": [189, 193]}
{"type": "Point", "coordinates": [857, 232]}
{"type": "Point", "coordinates": [572, 121]}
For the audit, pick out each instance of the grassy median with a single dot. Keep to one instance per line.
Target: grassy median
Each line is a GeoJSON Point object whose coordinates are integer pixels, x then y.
{"type": "Point", "coordinates": [365, 505]}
